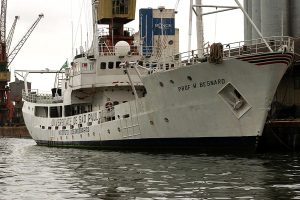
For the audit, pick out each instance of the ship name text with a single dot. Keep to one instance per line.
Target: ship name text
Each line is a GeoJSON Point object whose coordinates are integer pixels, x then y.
{"type": "Point", "coordinates": [201, 84]}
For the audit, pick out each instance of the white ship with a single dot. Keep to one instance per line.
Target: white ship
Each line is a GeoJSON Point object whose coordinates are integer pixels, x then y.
{"type": "Point", "coordinates": [135, 90]}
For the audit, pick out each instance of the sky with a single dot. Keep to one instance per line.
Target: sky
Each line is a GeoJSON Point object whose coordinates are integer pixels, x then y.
{"type": "Point", "coordinates": [68, 22]}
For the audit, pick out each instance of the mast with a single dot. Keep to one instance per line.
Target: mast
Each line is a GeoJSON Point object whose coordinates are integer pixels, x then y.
{"type": "Point", "coordinates": [199, 24]}
{"type": "Point", "coordinates": [95, 26]}
{"type": "Point", "coordinates": [190, 30]}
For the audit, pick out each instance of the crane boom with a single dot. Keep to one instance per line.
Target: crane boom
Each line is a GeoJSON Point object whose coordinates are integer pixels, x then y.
{"type": "Point", "coordinates": [18, 47]}
{"type": "Point", "coordinates": [3, 56]}
{"type": "Point", "coordinates": [11, 34]}
{"type": "Point", "coordinates": [3, 20]}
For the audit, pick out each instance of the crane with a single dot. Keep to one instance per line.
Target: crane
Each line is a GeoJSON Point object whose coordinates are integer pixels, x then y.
{"type": "Point", "coordinates": [18, 47]}
{"type": "Point", "coordinates": [11, 33]}
{"type": "Point", "coordinates": [6, 108]}
{"type": "Point", "coordinates": [3, 33]}
{"type": "Point", "coordinates": [6, 105]}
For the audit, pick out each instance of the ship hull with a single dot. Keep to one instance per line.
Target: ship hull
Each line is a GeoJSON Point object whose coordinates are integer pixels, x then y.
{"type": "Point", "coordinates": [207, 144]}
{"type": "Point", "coordinates": [202, 106]}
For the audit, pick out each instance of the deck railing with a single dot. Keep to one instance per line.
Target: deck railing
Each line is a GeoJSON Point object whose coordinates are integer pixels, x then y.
{"type": "Point", "coordinates": [35, 96]}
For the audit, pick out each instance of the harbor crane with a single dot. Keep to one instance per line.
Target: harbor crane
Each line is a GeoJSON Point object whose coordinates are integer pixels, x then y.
{"type": "Point", "coordinates": [11, 33]}
{"type": "Point", "coordinates": [18, 47]}
{"type": "Point", "coordinates": [6, 105]}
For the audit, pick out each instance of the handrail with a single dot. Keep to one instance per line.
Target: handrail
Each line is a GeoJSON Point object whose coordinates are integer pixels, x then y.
{"type": "Point", "coordinates": [34, 96]}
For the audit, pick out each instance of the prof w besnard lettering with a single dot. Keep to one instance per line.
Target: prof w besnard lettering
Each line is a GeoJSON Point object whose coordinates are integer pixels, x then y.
{"type": "Point", "coordinates": [201, 84]}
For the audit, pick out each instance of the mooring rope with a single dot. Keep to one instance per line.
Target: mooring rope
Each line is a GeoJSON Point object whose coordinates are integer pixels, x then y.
{"type": "Point", "coordinates": [216, 53]}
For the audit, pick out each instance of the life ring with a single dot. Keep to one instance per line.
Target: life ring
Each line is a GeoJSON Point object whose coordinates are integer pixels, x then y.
{"type": "Point", "coordinates": [109, 105]}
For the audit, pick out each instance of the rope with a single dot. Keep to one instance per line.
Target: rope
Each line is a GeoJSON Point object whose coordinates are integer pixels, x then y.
{"type": "Point", "coordinates": [216, 53]}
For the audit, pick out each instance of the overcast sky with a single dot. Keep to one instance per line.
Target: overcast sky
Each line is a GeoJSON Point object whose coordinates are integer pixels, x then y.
{"type": "Point", "coordinates": [51, 42]}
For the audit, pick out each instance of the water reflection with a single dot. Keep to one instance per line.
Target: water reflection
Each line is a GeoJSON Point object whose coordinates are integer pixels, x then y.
{"type": "Point", "coordinates": [31, 172]}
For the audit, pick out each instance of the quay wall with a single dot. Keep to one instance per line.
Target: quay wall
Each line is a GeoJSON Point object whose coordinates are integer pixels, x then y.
{"type": "Point", "coordinates": [14, 132]}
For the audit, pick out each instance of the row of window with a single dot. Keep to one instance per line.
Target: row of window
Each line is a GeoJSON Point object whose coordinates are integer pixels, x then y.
{"type": "Point", "coordinates": [112, 65]}
{"type": "Point", "coordinates": [56, 111]}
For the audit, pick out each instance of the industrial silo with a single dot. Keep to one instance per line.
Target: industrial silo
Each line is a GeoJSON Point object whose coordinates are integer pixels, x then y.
{"type": "Point", "coordinates": [256, 17]}
{"type": "Point", "coordinates": [274, 17]}
{"type": "Point", "coordinates": [295, 18]}
{"type": "Point", "coordinates": [247, 25]}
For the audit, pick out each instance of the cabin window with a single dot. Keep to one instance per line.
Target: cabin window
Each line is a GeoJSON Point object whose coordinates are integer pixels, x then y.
{"type": "Point", "coordinates": [68, 111]}
{"type": "Point", "coordinates": [103, 65]}
{"type": "Point", "coordinates": [56, 111]}
{"type": "Point", "coordinates": [110, 65]}
{"type": "Point", "coordinates": [118, 64]}
{"type": "Point", "coordinates": [41, 111]}
{"type": "Point", "coordinates": [116, 103]}
{"type": "Point", "coordinates": [120, 7]}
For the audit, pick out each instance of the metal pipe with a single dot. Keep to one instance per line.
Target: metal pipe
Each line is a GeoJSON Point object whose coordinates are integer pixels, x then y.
{"type": "Point", "coordinates": [213, 6]}
{"type": "Point", "coordinates": [190, 31]}
{"type": "Point", "coordinates": [208, 13]}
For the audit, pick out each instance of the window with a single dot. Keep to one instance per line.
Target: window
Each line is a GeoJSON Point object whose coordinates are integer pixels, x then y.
{"type": "Point", "coordinates": [120, 6]}
{"type": "Point", "coordinates": [56, 111]}
{"type": "Point", "coordinates": [103, 65]}
{"type": "Point", "coordinates": [111, 65]}
{"type": "Point", "coordinates": [41, 111]}
{"type": "Point", "coordinates": [68, 111]}
{"type": "Point", "coordinates": [118, 64]}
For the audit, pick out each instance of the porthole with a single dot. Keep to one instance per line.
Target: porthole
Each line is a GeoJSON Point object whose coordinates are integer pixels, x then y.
{"type": "Point", "coordinates": [166, 119]}
{"type": "Point", "coordinates": [151, 122]}
{"type": "Point", "coordinates": [161, 84]}
{"type": "Point", "coordinates": [189, 78]}
{"type": "Point", "coordinates": [171, 81]}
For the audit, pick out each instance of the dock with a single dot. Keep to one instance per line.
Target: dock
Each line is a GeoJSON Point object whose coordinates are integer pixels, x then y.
{"type": "Point", "coordinates": [14, 132]}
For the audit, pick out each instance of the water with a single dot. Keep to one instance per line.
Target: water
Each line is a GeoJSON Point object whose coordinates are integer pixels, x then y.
{"type": "Point", "coordinates": [31, 172]}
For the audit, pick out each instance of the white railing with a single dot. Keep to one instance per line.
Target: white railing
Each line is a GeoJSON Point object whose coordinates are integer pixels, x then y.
{"type": "Point", "coordinates": [230, 50]}
{"type": "Point", "coordinates": [241, 48]}
{"type": "Point", "coordinates": [257, 46]}
{"type": "Point", "coordinates": [35, 96]}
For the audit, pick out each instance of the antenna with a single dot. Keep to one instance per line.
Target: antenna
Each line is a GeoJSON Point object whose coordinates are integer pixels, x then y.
{"type": "Point", "coordinates": [176, 6]}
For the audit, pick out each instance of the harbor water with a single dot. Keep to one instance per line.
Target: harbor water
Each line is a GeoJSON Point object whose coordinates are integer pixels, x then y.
{"type": "Point", "coordinates": [31, 172]}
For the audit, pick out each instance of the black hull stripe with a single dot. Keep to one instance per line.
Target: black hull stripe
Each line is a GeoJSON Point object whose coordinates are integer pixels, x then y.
{"type": "Point", "coordinates": [211, 143]}
{"type": "Point", "coordinates": [266, 55]}
{"type": "Point", "coordinates": [267, 59]}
